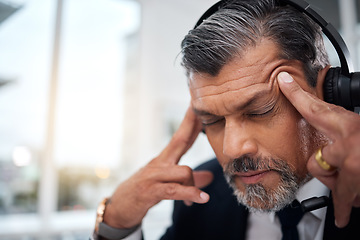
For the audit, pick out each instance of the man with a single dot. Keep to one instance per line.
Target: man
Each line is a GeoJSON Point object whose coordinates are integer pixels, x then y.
{"type": "Point", "coordinates": [255, 72]}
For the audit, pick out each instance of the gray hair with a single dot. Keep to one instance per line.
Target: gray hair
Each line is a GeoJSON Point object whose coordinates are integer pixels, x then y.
{"type": "Point", "coordinates": [240, 24]}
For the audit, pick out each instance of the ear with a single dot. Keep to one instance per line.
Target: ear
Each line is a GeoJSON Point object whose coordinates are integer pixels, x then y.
{"type": "Point", "coordinates": [320, 82]}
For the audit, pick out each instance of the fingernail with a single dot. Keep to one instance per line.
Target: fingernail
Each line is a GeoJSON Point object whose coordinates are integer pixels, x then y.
{"type": "Point", "coordinates": [204, 196]}
{"type": "Point", "coordinates": [339, 225]}
{"type": "Point", "coordinates": [285, 77]}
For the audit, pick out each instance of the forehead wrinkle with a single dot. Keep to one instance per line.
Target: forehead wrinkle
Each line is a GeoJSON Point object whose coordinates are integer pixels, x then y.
{"type": "Point", "coordinates": [234, 78]}
{"type": "Point", "coordinates": [225, 86]}
{"type": "Point", "coordinates": [229, 91]}
{"type": "Point", "coordinates": [199, 106]}
{"type": "Point", "coordinates": [256, 66]}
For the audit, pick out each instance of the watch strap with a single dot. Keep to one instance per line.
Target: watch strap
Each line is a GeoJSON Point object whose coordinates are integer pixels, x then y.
{"type": "Point", "coordinates": [112, 233]}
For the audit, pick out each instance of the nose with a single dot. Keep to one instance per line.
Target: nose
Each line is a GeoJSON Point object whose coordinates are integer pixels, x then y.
{"type": "Point", "coordinates": [239, 140]}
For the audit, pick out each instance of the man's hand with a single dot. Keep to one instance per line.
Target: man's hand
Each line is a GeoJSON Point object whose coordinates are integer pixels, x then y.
{"type": "Point", "coordinates": [162, 178]}
{"type": "Point", "coordinates": [342, 127]}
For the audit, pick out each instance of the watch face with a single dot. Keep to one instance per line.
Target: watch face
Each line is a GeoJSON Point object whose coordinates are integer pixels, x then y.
{"type": "Point", "coordinates": [100, 213]}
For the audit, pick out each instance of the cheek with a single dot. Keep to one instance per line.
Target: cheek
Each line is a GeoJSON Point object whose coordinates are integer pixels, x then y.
{"type": "Point", "coordinates": [294, 141]}
{"type": "Point", "coordinates": [216, 142]}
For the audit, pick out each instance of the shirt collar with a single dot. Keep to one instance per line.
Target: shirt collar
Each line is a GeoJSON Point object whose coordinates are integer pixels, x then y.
{"type": "Point", "coordinates": [313, 188]}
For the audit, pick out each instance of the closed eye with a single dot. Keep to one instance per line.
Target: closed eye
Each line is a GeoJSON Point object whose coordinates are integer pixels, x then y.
{"type": "Point", "coordinates": [210, 123]}
{"type": "Point", "coordinates": [268, 111]}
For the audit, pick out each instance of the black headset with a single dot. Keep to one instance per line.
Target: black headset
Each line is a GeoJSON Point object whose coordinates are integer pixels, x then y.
{"type": "Point", "coordinates": [342, 84]}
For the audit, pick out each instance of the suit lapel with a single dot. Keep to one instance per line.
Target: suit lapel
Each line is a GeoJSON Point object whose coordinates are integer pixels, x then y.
{"type": "Point", "coordinates": [243, 219]}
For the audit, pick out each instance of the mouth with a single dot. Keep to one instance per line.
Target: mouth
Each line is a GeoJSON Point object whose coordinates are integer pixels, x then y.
{"type": "Point", "coordinates": [252, 177]}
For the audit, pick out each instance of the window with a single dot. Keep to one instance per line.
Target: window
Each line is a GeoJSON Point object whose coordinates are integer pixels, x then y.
{"type": "Point", "coordinates": [62, 67]}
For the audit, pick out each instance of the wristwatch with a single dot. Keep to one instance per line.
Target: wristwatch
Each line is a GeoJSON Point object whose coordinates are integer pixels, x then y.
{"type": "Point", "coordinates": [100, 213]}
{"type": "Point", "coordinates": [104, 231]}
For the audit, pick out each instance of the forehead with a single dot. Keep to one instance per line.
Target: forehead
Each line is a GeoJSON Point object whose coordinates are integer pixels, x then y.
{"type": "Point", "coordinates": [244, 76]}
{"type": "Point", "coordinates": [242, 71]}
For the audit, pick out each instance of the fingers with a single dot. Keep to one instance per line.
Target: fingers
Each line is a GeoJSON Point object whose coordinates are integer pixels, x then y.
{"type": "Point", "coordinates": [176, 179]}
{"type": "Point", "coordinates": [315, 168]}
{"type": "Point", "coordinates": [202, 178]}
{"type": "Point", "coordinates": [183, 175]}
{"type": "Point", "coordinates": [347, 189]}
{"type": "Point", "coordinates": [343, 199]}
{"type": "Point", "coordinates": [160, 179]}
{"type": "Point", "coordinates": [151, 184]}
{"type": "Point", "coordinates": [342, 127]}
{"type": "Point", "coordinates": [182, 140]}
{"type": "Point", "coordinates": [174, 182]}
{"type": "Point", "coordinates": [175, 191]}
{"type": "Point", "coordinates": [323, 116]}
{"type": "Point", "coordinates": [344, 181]}
{"type": "Point", "coordinates": [176, 173]}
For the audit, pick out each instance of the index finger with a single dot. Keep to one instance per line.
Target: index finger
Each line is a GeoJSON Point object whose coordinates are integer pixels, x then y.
{"type": "Point", "coordinates": [182, 139]}
{"type": "Point", "coordinates": [321, 115]}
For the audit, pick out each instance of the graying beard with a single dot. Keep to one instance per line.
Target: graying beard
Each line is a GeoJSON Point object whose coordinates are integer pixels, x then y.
{"type": "Point", "coordinates": [272, 200]}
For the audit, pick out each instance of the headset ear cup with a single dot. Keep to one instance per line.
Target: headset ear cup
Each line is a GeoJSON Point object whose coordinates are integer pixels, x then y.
{"type": "Point", "coordinates": [330, 85]}
{"type": "Point", "coordinates": [355, 89]}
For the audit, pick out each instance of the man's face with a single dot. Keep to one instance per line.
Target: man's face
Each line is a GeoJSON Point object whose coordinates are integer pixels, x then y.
{"type": "Point", "coordinates": [259, 138]}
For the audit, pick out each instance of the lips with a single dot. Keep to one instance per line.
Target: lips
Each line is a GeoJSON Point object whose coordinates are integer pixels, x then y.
{"type": "Point", "coordinates": [252, 177]}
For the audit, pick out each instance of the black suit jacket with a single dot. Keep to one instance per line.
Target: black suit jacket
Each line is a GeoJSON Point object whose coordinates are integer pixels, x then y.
{"type": "Point", "coordinates": [222, 218]}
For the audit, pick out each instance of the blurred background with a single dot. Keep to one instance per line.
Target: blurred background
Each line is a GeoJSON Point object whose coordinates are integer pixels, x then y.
{"type": "Point", "coordinates": [90, 91]}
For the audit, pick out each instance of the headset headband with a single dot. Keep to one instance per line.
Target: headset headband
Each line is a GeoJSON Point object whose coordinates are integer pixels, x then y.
{"type": "Point", "coordinates": [328, 29]}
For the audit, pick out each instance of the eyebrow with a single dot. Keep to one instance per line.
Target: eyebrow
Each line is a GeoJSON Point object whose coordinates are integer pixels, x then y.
{"type": "Point", "coordinates": [248, 103]}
